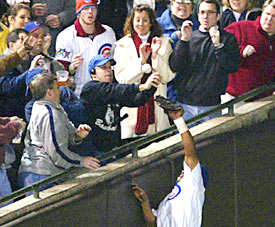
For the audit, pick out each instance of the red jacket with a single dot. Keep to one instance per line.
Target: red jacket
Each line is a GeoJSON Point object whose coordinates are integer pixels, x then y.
{"type": "Point", "coordinates": [257, 69]}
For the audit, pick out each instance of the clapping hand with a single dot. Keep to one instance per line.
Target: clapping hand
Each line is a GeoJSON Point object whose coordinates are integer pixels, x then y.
{"type": "Point", "coordinates": [53, 21]}
{"type": "Point", "coordinates": [186, 30]}
{"type": "Point", "coordinates": [248, 51]}
{"type": "Point", "coordinates": [144, 51]}
{"type": "Point", "coordinates": [156, 44]}
{"type": "Point", "coordinates": [215, 36]}
{"type": "Point", "coordinates": [39, 9]}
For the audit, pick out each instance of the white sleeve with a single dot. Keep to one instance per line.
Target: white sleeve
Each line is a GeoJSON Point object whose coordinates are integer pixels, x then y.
{"type": "Point", "coordinates": [161, 62]}
{"type": "Point", "coordinates": [128, 68]}
{"type": "Point", "coordinates": [64, 46]}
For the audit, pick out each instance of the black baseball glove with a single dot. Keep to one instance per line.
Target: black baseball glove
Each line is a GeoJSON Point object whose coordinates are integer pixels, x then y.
{"type": "Point", "coordinates": [168, 105]}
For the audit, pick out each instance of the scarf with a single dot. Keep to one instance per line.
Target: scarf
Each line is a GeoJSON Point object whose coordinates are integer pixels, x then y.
{"type": "Point", "coordinates": [146, 113]}
{"type": "Point", "coordinates": [80, 32]}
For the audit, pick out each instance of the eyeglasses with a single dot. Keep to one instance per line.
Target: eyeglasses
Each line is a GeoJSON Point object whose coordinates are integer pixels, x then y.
{"type": "Point", "coordinates": [210, 12]}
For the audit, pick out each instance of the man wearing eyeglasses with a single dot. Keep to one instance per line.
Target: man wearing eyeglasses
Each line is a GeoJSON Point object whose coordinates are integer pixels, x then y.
{"type": "Point", "coordinates": [205, 58]}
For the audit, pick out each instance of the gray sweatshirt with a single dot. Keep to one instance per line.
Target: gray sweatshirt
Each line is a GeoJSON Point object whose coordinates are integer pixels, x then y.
{"type": "Point", "coordinates": [48, 136]}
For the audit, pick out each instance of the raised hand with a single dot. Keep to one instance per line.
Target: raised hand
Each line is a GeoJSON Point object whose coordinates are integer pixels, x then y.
{"type": "Point", "coordinates": [248, 51]}
{"type": "Point", "coordinates": [77, 61]}
{"type": "Point", "coordinates": [20, 121]}
{"type": "Point", "coordinates": [156, 44]}
{"type": "Point", "coordinates": [139, 192]}
{"type": "Point", "coordinates": [153, 80]}
{"type": "Point", "coordinates": [175, 114]}
{"type": "Point", "coordinates": [186, 30]}
{"type": "Point", "coordinates": [144, 52]}
{"type": "Point", "coordinates": [83, 130]}
{"type": "Point", "coordinates": [53, 21]}
{"type": "Point", "coordinates": [215, 36]}
{"type": "Point", "coordinates": [39, 9]}
{"type": "Point", "coordinates": [46, 43]}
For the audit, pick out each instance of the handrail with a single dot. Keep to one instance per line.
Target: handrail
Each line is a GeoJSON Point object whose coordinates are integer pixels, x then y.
{"type": "Point", "coordinates": [133, 146]}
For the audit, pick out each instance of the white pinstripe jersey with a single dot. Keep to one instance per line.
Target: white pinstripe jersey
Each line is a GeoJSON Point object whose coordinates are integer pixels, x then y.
{"type": "Point", "coordinates": [68, 44]}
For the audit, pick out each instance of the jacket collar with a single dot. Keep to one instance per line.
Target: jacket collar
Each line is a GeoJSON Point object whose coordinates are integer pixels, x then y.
{"type": "Point", "coordinates": [166, 21]}
{"type": "Point", "coordinates": [50, 103]}
{"type": "Point", "coordinates": [80, 32]}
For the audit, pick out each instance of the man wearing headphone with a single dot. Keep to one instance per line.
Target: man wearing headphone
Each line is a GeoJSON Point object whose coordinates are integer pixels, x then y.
{"type": "Point", "coordinates": [103, 99]}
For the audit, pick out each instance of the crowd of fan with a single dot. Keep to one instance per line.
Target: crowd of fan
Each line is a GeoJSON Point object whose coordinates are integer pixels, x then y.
{"type": "Point", "coordinates": [119, 55]}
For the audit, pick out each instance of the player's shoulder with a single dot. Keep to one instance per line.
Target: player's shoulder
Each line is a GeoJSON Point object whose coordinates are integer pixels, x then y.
{"type": "Point", "coordinates": [67, 33]}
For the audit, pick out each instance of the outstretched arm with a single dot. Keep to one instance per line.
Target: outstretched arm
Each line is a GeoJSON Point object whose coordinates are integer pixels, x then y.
{"type": "Point", "coordinates": [145, 204]}
{"type": "Point", "coordinates": [190, 156]}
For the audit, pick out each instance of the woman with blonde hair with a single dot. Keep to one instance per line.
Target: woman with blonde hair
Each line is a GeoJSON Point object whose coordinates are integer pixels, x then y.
{"type": "Point", "coordinates": [142, 51]}
{"type": "Point", "coordinates": [18, 16]}
{"type": "Point", "coordinates": [237, 10]}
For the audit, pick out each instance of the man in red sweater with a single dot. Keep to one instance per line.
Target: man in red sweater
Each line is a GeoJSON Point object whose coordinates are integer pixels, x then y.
{"type": "Point", "coordinates": [256, 41]}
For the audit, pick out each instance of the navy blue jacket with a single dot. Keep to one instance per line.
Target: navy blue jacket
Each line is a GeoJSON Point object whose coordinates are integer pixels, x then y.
{"type": "Point", "coordinates": [103, 102]}
{"type": "Point", "coordinates": [12, 92]}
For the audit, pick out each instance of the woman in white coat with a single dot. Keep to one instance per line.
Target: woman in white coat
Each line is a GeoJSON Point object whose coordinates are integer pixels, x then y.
{"type": "Point", "coordinates": [139, 53]}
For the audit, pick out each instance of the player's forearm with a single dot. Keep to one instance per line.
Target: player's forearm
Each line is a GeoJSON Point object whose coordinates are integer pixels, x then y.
{"type": "Point", "coordinates": [190, 156]}
{"type": "Point", "coordinates": [148, 214]}
{"type": "Point", "coordinates": [188, 144]}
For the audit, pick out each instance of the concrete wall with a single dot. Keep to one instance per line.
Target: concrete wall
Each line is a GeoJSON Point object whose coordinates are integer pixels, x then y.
{"type": "Point", "coordinates": [240, 191]}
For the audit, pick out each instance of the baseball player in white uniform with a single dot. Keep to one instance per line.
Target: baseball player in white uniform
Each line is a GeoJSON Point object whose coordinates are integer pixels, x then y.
{"type": "Point", "coordinates": [83, 40]}
{"type": "Point", "coordinates": [183, 206]}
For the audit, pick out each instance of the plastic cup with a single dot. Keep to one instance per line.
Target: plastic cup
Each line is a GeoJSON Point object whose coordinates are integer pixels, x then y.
{"type": "Point", "coordinates": [62, 77]}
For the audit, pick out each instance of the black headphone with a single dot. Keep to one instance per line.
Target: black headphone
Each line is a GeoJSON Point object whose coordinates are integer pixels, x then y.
{"type": "Point", "coordinates": [93, 72]}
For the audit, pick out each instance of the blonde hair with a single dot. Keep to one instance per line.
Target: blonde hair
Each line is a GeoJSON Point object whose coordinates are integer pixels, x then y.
{"type": "Point", "coordinates": [41, 83]}
{"type": "Point", "coordinates": [268, 3]}
{"type": "Point", "coordinates": [250, 4]}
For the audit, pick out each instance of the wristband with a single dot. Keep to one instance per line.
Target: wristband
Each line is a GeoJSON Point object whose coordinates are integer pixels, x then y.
{"type": "Point", "coordinates": [181, 125]}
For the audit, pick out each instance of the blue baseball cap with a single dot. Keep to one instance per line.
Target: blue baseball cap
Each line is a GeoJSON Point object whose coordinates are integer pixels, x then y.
{"type": "Point", "coordinates": [32, 26]}
{"type": "Point", "coordinates": [99, 60]}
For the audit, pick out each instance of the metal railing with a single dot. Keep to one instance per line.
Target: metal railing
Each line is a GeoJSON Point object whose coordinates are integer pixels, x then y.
{"type": "Point", "coordinates": [135, 145]}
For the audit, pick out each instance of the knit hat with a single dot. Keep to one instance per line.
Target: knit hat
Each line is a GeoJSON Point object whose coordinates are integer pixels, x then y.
{"type": "Point", "coordinates": [82, 4]}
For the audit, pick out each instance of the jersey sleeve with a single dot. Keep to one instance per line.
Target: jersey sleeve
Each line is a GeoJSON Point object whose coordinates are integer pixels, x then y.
{"type": "Point", "coordinates": [64, 48]}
